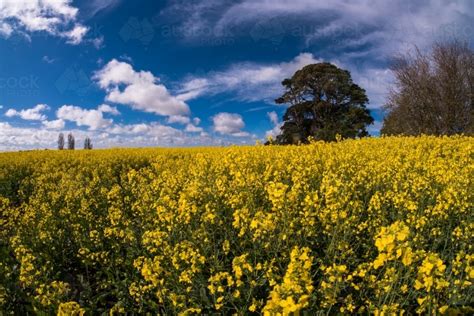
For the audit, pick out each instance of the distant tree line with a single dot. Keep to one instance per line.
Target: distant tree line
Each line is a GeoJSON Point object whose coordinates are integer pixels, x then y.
{"type": "Point", "coordinates": [71, 143]}
{"type": "Point", "coordinates": [433, 94]}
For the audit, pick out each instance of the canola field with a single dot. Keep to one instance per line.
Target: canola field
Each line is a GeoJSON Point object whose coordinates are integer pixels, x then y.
{"type": "Point", "coordinates": [381, 226]}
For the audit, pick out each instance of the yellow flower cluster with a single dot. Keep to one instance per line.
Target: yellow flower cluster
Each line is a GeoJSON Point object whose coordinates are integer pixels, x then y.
{"type": "Point", "coordinates": [70, 309]}
{"type": "Point", "coordinates": [431, 267]}
{"type": "Point", "coordinates": [293, 294]}
{"type": "Point", "coordinates": [392, 243]}
{"type": "Point", "coordinates": [372, 226]}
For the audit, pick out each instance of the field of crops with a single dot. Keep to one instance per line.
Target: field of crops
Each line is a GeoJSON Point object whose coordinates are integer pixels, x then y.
{"type": "Point", "coordinates": [374, 225]}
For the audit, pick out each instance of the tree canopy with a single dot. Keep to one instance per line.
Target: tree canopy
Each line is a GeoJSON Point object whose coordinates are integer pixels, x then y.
{"type": "Point", "coordinates": [324, 102]}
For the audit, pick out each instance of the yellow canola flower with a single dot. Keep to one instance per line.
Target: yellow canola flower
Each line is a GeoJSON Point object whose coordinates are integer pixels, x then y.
{"type": "Point", "coordinates": [431, 274]}
{"type": "Point", "coordinates": [293, 294]}
{"type": "Point", "coordinates": [380, 225]}
{"type": "Point", "coordinates": [392, 244]}
{"type": "Point", "coordinates": [70, 309]}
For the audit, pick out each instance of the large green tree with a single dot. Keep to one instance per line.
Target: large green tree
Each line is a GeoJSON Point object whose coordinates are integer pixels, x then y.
{"type": "Point", "coordinates": [324, 102]}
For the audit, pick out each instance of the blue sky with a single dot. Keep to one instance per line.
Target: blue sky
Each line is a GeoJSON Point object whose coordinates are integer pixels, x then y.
{"type": "Point", "coordinates": [187, 73]}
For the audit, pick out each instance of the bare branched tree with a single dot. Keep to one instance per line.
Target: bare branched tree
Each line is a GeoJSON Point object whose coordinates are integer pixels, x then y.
{"type": "Point", "coordinates": [433, 93]}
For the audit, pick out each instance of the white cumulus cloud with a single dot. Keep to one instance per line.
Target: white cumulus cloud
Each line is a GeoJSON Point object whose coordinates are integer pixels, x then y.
{"type": "Point", "coordinates": [193, 128]}
{"type": "Point", "coordinates": [5, 30]}
{"type": "Point", "coordinates": [54, 124]}
{"type": "Point", "coordinates": [139, 89]}
{"type": "Point", "coordinates": [76, 35]}
{"type": "Point", "coordinates": [229, 124]}
{"type": "Point", "coordinates": [179, 119]}
{"type": "Point", "coordinates": [105, 108]}
{"type": "Point", "coordinates": [55, 17]}
{"type": "Point", "coordinates": [33, 114]}
{"type": "Point", "coordinates": [94, 119]}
